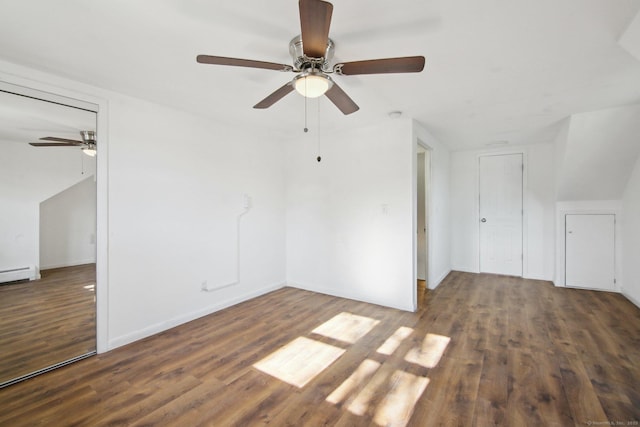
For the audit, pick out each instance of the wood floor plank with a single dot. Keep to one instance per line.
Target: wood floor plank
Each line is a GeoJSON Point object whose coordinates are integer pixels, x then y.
{"type": "Point", "coordinates": [481, 350]}
{"type": "Point", "coordinates": [47, 321]}
{"type": "Point", "coordinates": [493, 389]}
{"type": "Point", "coordinates": [581, 396]}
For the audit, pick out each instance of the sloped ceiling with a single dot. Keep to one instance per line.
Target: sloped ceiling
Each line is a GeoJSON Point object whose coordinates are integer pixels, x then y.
{"type": "Point", "coordinates": [496, 69]}
{"type": "Point", "coordinates": [630, 39]}
{"type": "Point", "coordinates": [600, 152]}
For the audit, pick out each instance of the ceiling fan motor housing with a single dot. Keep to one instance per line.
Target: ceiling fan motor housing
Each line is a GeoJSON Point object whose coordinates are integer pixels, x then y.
{"type": "Point", "coordinates": [88, 136]}
{"type": "Point", "coordinates": [303, 62]}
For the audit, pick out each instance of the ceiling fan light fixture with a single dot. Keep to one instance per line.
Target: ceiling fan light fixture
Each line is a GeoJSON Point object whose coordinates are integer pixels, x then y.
{"type": "Point", "coordinates": [312, 84]}
{"type": "Point", "coordinates": [90, 150]}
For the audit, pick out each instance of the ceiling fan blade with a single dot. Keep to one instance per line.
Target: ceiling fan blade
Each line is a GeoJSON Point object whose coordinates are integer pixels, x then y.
{"type": "Point", "coordinates": [315, 20]}
{"type": "Point", "coordinates": [55, 144]}
{"type": "Point", "coordinates": [341, 100]}
{"type": "Point", "coordinates": [407, 64]}
{"type": "Point", "coordinates": [275, 96]}
{"type": "Point", "coordinates": [53, 138]}
{"type": "Point", "coordinates": [221, 60]}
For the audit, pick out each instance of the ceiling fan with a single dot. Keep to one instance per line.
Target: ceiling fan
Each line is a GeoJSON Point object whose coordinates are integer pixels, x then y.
{"type": "Point", "coordinates": [312, 52]}
{"type": "Point", "coordinates": [88, 142]}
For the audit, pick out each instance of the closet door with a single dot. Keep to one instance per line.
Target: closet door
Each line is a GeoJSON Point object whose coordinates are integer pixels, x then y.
{"type": "Point", "coordinates": [590, 251]}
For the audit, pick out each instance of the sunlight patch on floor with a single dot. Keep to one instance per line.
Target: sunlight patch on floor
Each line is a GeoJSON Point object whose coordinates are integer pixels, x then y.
{"type": "Point", "coordinates": [396, 408]}
{"type": "Point", "coordinates": [393, 342]}
{"type": "Point", "coordinates": [429, 354]}
{"type": "Point", "coordinates": [366, 369]}
{"type": "Point", "coordinates": [346, 327]}
{"type": "Point", "coordinates": [300, 361]}
{"type": "Point", "coordinates": [360, 405]}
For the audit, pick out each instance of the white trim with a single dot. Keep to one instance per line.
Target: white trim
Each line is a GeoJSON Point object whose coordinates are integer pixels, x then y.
{"type": "Point", "coordinates": [440, 279]}
{"type": "Point", "coordinates": [630, 298]}
{"type": "Point", "coordinates": [68, 264]}
{"type": "Point", "coordinates": [416, 141]}
{"type": "Point", "coordinates": [347, 295]}
{"type": "Point", "coordinates": [184, 318]}
{"type": "Point", "coordinates": [12, 82]}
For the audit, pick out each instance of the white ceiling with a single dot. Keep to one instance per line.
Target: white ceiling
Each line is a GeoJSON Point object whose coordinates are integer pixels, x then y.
{"type": "Point", "coordinates": [496, 69]}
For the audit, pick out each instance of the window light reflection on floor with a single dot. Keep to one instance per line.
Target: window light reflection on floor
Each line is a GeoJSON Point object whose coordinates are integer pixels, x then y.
{"type": "Point", "coordinates": [393, 342]}
{"type": "Point", "coordinates": [388, 395]}
{"type": "Point", "coordinates": [429, 354]}
{"type": "Point", "coordinates": [356, 380]}
{"type": "Point", "coordinates": [300, 361]}
{"type": "Point", "coordinates": [396, 408]}
{"type": "Point", "coordinates": [346, 327]}
{"type": "Point", "coordinates": [360, 405]}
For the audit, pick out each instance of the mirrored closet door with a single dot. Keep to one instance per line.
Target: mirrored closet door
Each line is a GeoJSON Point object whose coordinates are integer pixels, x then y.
{"type": "Point", "coordinates": [47, 234]}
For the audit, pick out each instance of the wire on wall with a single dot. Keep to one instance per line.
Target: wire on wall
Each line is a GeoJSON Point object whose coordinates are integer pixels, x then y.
{"type": "Point", "coordinates": [247, 208]}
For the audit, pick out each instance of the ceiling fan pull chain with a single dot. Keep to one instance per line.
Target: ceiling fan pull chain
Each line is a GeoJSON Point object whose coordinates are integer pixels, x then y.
{"type": "Point", "coordinates": [81, 164]}
{"type": "Point", "coordinates": [319, 158]}
{"type": "Point", "coordinates": [306, 129]}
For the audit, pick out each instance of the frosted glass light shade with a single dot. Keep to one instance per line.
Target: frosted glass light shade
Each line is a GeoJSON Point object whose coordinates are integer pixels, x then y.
{"type": "Point", "coordinates": [312, 85]}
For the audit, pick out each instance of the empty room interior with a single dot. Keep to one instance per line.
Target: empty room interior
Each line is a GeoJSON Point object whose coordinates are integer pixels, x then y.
{"type": "Point", "coordinates": [284, 212]}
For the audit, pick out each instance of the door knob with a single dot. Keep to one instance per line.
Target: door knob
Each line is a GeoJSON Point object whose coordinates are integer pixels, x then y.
{"type": "Point", "coordinates": [483, 220]}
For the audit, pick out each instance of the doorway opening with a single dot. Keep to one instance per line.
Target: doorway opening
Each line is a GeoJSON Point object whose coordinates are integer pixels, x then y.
{"type": "Point", "coordinates": [423, 180]}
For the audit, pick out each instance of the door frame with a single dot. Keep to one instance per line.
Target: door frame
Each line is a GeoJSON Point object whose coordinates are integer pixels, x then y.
{"type": "Point", "coordinates": [525, 264]}
{"type": "Point", "coordinates": [426, 159]}
{"type": "Point", "coordinates": [430, 215]}
{"type": "Point", "coordinates": [49, 92]}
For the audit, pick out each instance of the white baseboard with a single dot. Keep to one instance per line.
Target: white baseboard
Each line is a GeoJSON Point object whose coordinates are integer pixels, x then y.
{"type": "Point", "coordinates": [348, 295]}
{"type": "Point", "coordinates": [439, 279]}
{"type": "Point", "coordinates": [630, 298]}
{"type": "Point", "coordinates": [179, 320]}
{"type": "Point", "coordinates": [68, 264]}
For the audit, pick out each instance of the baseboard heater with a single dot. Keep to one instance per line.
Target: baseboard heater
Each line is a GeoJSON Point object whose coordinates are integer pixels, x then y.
{"type": "Point", "coordinates": [15, 274]}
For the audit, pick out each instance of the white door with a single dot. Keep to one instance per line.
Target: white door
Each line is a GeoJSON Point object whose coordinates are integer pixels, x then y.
{"type": "Point", "coordinates": [589, 251]}
{"type": "Point", "coordinates": [501, 214]}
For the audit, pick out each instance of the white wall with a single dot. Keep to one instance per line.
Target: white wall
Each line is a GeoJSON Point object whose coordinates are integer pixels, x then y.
{"type": "Point", "coordinates": [631, 237]}
{"type": "Point", "coordinates": [29, 175]}
{"type": "Point", "coordinates": [170, 187]}
{"type": "Point", "coordinates": [349, 218]}
{"type": "Point", "coordinates": [439, 205]}
{"type": "Point", "coordinates": [539, 207]}
{"type": "Point", "coordinates": [68, 226]}
{"type": "Point", "coordinates": [176, 185]}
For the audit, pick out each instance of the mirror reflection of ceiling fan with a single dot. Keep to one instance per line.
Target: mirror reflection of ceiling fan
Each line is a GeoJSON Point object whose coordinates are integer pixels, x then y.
{"type": "Point", "coordinates": [311, 52]}
{"type": "Point", "coordinates": [88, 142]}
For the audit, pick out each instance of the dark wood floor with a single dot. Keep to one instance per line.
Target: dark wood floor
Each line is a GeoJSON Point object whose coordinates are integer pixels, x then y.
{"type": "Point", "coordinates": [482, 350]}
{"type": "Point", "coordinates": [47, 321]}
